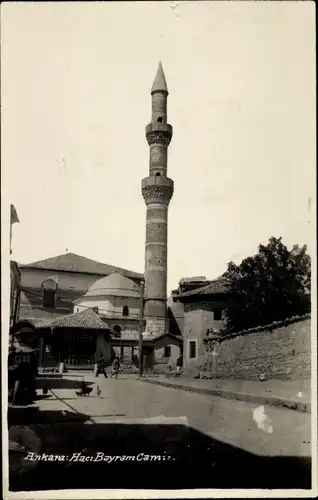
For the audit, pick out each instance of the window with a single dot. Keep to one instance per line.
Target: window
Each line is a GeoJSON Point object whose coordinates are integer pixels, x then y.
{"type": "Point", "coordinates": [217, 314]}
{"type": "Point", "coordinates": [49, 287]}
{"type": "Point", "coordinates": [159, 119]}
{"type": "Point", "coordinates": [167, 352]}
{"type": "Point", "coordinates": [192, 349]}
{"type": "Point", "coordinates": [48, 298]}
{"type": "Point", "coordinates": [117, 329]}
{"type": "Point", "coordinates": [125, 311]}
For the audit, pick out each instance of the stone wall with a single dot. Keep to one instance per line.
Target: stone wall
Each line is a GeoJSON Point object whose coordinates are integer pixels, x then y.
{"type": "Point", "coordinates": [156, 326]}
{"type": "Point", "coordinates": [282, 353]}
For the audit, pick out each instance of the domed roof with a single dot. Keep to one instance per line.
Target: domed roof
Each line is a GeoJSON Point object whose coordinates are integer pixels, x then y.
{"type": "Point", "coordinates": [113, 285]}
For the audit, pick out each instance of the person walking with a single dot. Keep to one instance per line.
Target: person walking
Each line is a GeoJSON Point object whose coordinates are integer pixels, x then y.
{"type": "Point", "coordinates": [169, 366]}
{"type": "Point", "coordinates": [179, 366]}
{"type": "Point", "coordinates": [101, 369]}
{"type": "Point", "coordinates": [116, 366]}
{"type": "Point", "coordinates": [135, 363]}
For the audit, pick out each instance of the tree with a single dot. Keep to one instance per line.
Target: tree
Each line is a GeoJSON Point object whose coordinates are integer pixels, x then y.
{"type": "Point", "coordinates": [303, 262]}
{"type": "Point", "coordinates": [272, 285]}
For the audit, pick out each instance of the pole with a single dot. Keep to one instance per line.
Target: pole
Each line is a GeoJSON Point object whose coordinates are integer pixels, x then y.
{"type": "Point", "coordinates": [17, 305]}
{"type": "Point", "coordinates": [141, 327]}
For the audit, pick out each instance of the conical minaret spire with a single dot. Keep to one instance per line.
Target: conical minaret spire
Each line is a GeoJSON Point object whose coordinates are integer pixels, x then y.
{"type": "Point", "coordinates": [157, 190]}
{"type": "Point", "coordinates": [159, 84]}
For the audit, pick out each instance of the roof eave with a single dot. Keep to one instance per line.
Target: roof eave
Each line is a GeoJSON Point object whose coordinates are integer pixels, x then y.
{"type": "Point", "coordinates": [127, 274]}
{"type": "Point", "coordinates": [201, 296]}
{"type": "Point", "coordinates": [134, 295]}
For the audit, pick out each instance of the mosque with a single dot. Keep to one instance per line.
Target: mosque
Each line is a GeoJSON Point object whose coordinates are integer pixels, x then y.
{"type": "Point", "coordinates": [93, 307]}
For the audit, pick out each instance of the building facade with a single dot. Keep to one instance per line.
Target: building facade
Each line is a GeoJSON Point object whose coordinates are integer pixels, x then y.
{"type": "Point", "coordinates": [117, 300]}
{"type": "Point", "coordinates": [50, 286]}
{"type": "Point", "coordinates": [67, 285]}
{"type": "Point", "coordinates": [204, 308]}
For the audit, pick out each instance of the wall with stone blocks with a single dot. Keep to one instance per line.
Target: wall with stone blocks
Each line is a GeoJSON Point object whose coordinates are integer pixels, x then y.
{"type": "Point", "coordinates": [283, 353]}
{"type": "Point", "coordinates": [156, 325]}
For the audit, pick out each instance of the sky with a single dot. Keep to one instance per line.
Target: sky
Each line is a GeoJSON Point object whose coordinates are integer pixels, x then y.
{"type": "Point", "coordinates": [76, 80]}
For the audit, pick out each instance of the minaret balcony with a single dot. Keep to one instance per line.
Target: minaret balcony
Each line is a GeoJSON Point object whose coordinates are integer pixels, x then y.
{"type": "Point", "coordinates": [157, 189]}
{"type": "Point", "coordinates": [158, 132]}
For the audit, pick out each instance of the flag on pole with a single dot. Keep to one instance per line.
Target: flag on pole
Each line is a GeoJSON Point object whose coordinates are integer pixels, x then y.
{"type": "Point", "coordinates": [13, 215]}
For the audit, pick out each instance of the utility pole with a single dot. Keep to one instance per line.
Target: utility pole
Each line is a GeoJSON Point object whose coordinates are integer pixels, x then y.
{"type": "Point", "coordinates": [141, 327]}
{"type": "Point", "coordinates": [17, 304]}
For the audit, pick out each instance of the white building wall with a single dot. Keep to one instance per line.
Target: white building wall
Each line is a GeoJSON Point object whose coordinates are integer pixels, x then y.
{"type": "Point", "coordinates": [110, 306]}
{"type": "Point", "coordinates": [113, 307]}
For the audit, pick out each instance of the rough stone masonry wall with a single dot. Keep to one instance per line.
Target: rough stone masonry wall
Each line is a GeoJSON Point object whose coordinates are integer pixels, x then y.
{"type": "Point", "coordinates": [283, 353]}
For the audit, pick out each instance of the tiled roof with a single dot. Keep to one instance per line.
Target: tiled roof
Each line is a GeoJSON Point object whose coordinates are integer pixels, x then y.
{"type": "Point", "coordinates": [176, 337]}
{"type": "Point", "coordinates": [150, 337]}
{"type": "Point", "coordinates": [23, 325]}
{"type": "Point", "coordinates": [118, 317]}
{"type": "Point", "coordinates": [86, 319]}
{"type": "Point", "coordinates": [74, 263]}
{"type": "Point", "coordinates": [218, 286]}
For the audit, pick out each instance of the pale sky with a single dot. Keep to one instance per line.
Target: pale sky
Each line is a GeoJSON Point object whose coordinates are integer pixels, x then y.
{"type": "Point", "coordinates": [76, 82]}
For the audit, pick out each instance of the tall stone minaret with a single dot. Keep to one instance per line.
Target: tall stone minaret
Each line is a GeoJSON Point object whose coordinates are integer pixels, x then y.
{"type": "Point", "coordinates": [157, 190]}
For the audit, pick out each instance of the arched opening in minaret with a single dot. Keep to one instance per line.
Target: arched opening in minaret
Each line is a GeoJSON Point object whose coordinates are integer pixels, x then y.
{"type": "Point", "coordinates": [158, 173]}
{"type": "Point", "coordinates": [159, 119]}
{"type": "Point", "coordinates": [125, 311]}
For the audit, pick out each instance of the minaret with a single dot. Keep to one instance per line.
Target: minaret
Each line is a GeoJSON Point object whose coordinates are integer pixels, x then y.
{"type": "Point", "coordinates": [157, 190]}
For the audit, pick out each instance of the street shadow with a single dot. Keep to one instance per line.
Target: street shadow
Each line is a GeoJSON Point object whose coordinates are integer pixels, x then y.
{"type": "Point", "coordinates": [59, 383]}
{"type": "Point", "coordinates": [151, 457]}
{"type": "Point", "coordinates": [42, 396]}
{"type": "Point", "coordinates": [77, 397]}
{"type": "Point", "coordinates": [32, 415]}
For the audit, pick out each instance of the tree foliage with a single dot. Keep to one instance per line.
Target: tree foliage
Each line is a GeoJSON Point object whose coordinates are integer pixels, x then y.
{"type": "Point", "coordinates": [272, 285]}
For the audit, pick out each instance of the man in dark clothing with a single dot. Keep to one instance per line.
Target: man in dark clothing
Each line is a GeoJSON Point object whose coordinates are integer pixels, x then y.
{"type": "Point", "coordinates": [23, 369]}
{"type": "Point", "coordinates": [101, 367]}
{"type": "Point", "coordinates": [135, 363]}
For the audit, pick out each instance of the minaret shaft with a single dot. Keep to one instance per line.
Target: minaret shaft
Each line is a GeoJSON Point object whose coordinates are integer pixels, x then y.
{"type": "Point", "coordinates": [157, 190]}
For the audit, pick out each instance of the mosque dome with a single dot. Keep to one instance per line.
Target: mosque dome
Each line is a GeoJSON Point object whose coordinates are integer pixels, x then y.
{"type": "Point", "coordinates": [113, 285]}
